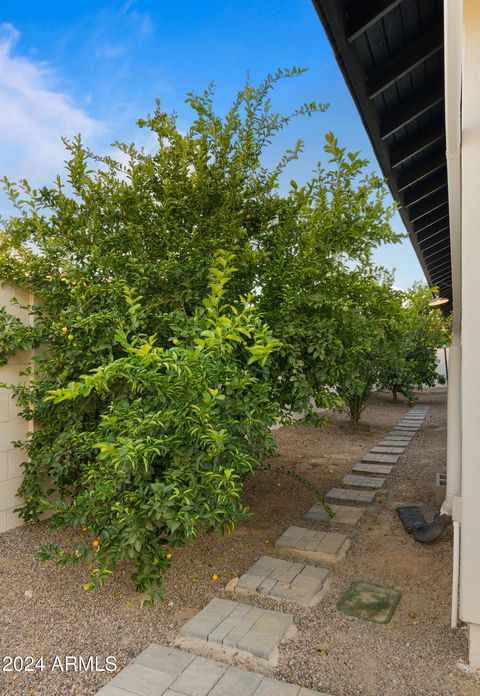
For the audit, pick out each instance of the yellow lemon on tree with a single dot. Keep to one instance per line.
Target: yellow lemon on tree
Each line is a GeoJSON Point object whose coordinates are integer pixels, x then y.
{"type": "Point", "coordinates": [70, 337]}
{"type": "Point", "coordinates": [64, 330]}
{"type": "Point", "coordinates": [169, 555]}
{"type": "Point", "coordinates": [95, 543]}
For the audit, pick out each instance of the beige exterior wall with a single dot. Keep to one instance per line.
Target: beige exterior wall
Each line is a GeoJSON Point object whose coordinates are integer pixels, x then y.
{"type": "Point", "coordinates": [470, 332]}
{"type": "Point", "coordinates": [12, 427]}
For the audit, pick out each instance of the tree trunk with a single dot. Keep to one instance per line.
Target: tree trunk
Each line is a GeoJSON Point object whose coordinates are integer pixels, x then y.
{"type": "Point", "coordinates": [355, 408]}
{"type": "Point", "coordinates": [395, 394]}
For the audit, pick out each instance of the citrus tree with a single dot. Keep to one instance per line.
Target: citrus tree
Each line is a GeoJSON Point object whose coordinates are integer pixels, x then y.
{"type": "Point", "coordinates": [368, 327]}
{"type": "Point", "coordinates": [178, 430]}
{"type": "Point", "coordinates": [148, 224]}
{"type": "Point", "coordinates": [410, 363]}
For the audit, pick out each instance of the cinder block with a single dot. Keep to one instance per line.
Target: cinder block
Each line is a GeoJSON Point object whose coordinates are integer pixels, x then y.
{"type": "Point", "coordinates": [13, 430]}
{"type": "Point", "coordinates": [8, 493]}
{"type": "Point", "coordinates": [3, 466]}
{"type": "Point", "coordinates": [10, 373]}
{"type": "Point", "coordinates": [4, 405]}
{"type": "Point", "coordinates": [15, 458]}
{"type": "Point", "coordinates": [13, 519]}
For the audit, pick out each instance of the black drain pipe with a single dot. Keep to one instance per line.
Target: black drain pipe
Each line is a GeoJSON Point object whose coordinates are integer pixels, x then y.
{"type": "Point", "coordinates": [422, 531]}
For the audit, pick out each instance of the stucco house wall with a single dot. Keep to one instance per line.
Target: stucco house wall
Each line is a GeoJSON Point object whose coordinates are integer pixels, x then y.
{"type": "Point", "coordinates": [12, 426]}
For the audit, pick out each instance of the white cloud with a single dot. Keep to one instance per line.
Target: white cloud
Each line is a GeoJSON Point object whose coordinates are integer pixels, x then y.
{"type": "Point", "coordinates": [110, 51]}
{"type": "Point", "coordinates": [34, 114]}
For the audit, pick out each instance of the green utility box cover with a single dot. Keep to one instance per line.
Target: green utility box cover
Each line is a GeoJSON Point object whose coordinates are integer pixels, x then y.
{"type": "Point", "coordinates": [370, 602]}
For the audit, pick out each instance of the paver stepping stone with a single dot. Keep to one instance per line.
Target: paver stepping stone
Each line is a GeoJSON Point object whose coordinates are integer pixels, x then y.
{"type": "Point", "coordinates": [280, 579]}
{"type": "Point", "coordinates": [363, 481]}
{"type": "Point", "coordinates": [314, 545]}
{"type": "Point", "coordinates": [381, 449]}
{"type": "Point", "coordinates": [381, 458]}
{"type": "Point", "coordinates": [366, 468]}
{"type": "Point", "coordinates": [230, 627]}
{"type": "Point", "coordinates": [344, 514]}
{"type": "Point", "coordinates": [164, 671]}
{"type": "Point", "coordinates": [401, 435]}
{"type": "Point", "coordinates": [399, 444]}
{"type": "Point", "coordinates": [347, 495]}
{"type": "Point", "coordinates": [370, 602]}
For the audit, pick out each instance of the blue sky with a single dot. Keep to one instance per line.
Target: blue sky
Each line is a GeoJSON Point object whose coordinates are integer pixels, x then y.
{"type": "Point", "coordinates": [96, 67]}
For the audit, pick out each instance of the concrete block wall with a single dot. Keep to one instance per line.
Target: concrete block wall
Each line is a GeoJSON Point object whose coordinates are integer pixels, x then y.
{"type": "Point", "coordinates": [12, 426]}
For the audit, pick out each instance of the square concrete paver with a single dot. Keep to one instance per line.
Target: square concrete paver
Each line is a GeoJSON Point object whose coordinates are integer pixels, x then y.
{"type": "Point", "coordinates": [344, 514]}
{"type": "Point", "coordinates": [366, 468]}
{"type": "Point", "coordinates": [347, 495]}
{"type": "Point", "coordinates": [231, 626]}
{"type": "Point", "coordinates": [401, 435]}
{"type": "Point", "coordinates": [363, 481]}
{"type": "Point", "coordinates": [314, 545]}
{"type": "Point", "coordinates": [381, 449]}
{"type": "Point", "coordinates": [190, 675]}
{"type": "Point", "coordinates": [380, 458]}
{"type": "Point", "coordinates": [280, 579]}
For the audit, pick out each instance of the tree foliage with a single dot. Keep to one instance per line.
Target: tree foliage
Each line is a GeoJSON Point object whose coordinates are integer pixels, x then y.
{"type": "Point", "coordinates": [409, 361]}
{"type": "Point", "coordinates": [178, 430]}
{"type": "Point", "coordinates": [152, 401]}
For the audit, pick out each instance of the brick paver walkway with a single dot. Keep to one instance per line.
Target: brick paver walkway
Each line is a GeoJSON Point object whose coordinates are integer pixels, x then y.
{"type": "Point", "coordinates": [316, 546]}
{"type": "Point", "coordinates": [280, 579]}
{"type": "Point", "coordinates": [164, 671]}
{"type": "Point", "coordinates": [234, 628]}
{"type": "Point", "coordinates": [344, 514]}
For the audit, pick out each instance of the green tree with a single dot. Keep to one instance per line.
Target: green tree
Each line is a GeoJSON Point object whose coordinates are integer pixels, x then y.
{"type": "Point", "coordinates": [368, 327]}
{"type": "Point", "coordinates": [410, 363]}
{"type": "Point", "coordinates": [154, 223]}
{"type": "Point", "coordinates": [317, 276]}
{"type": "Point", "coordinates": [179, 429]}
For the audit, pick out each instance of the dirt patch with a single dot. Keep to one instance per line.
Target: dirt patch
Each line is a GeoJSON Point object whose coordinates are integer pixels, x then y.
{"type": "Point", "coordinates": [335, 653]}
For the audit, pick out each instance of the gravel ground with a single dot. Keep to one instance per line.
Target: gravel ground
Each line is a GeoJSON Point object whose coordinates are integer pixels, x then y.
{"type": "Point", "coordinates": [416, 653]}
